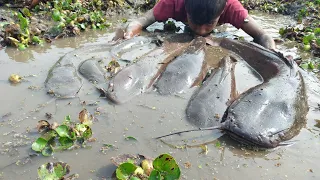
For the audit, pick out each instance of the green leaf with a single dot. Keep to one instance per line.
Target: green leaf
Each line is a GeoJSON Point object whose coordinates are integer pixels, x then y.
{"type": "Point", "coordinates": [67, 119]}
{"type": "Point", "coordinates": [87, 133]}
{"type": "Point", "coordinates": [125, 170]}
{"type": "Point", "coordinates": [308, 39]}
{"type": "Point", "coordinates": [56, 15]}
{"type": "Point", "coordinates": [26, 12]}
{"type": "Point", "coordinates": [53, 171]}
{"type": "Point", "coordinates": [48, 136]}
{"type": "Point", "coordinates": [131, 138]}
{"type": "Point", "coordinates": [36, 39]}
{"type": "Point", "coordinates": [39, 144]}
{"type": "Point", "coordinates": [61, 25]}
{"type": "Point", "coordinates": [307, 47]}
{"type": "Point", "coordinates": [80, 127]}
{"type": "Point", "coordinates": [24, 23]}
{"type": "Point", "coordinates": [59, 170]}
{"type": "Point", "coordinates": [43, 141]}
{"type": "Point", "coordinates": [82, 26]}
{"type": "Point", "coordinates": [66, 142]}
{"type": "Point", "coordinates": [36, 8]}
{"type": "Point", "coordinates": [109, 145]}
{"type": "Point", "coordinates": [73, 16]}
{"type": "Point", "coordinates": [310, 65]}
{"type": "Point", "coordinates": [22, 47]}
{"type": "Point", "coordinates": [155, 175]}
{"type": "Point", "coordinates": [84, 130]}
{"type": "Point", "coordinates": [47, 151]}
{"type": "Point", "coordinates": [63, 131]}
{"type": "Point", "coordinates": [317, 31]}
{"type": "Point", "coordinates": [304, 65]}
{"type": "Point", "coordinates": [318, 41]}
{"type": "Point", "coordinates": [218, 144]}
{"type": "Point", "coordinates": [167, 167]}
{"type": "Point", "coordinates": [124, 20]}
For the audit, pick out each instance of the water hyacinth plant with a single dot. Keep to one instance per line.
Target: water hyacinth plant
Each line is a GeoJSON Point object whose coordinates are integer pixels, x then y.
{"type": "Point", "coordinates": [56, 137]}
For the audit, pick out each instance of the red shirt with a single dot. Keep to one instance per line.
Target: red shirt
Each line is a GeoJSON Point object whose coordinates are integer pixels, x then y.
{"type": "Point", "coordinates": [234, 13]}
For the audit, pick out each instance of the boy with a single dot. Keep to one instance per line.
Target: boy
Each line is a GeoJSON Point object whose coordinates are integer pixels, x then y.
{"type": "Point", "coordinates": [201, 16]}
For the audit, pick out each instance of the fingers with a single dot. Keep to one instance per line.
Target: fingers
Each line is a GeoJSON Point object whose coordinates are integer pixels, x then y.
{"type": "Point", "coordinates": [128, 35]}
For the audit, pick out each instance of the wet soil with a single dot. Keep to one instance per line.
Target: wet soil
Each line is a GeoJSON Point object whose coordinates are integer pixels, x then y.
{"type": "Point", "coordinates": [144, 117]}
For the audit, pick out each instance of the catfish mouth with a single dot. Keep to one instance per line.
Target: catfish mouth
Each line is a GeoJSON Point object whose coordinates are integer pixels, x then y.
{"type": "Point", "coordinates": [247, 141]}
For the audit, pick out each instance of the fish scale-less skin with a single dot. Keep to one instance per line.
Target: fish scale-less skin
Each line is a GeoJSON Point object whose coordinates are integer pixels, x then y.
{"type": "Point", "coordinates": [64, 81]}
{"type": "Point", "coordinates": [208, 104]}
{"type": "Point", "coordinates": [181, 74]}
{"type": "Point", "coordinates": [92, 71]}
{"type": "Point", "coordinates": [271, 112]}
{"type": "Point", "coordinates": [139, 77]}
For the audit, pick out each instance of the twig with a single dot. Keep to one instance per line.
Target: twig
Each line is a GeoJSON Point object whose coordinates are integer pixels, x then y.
{"type": "Point", "coordinates": [191, 130]}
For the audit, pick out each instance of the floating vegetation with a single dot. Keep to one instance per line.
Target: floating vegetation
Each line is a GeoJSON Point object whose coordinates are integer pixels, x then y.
{"type": "Point", "coordinates": [67, 18]}
{"type": "Point", "coordinates": [55, 137]}
{"type": "Point", "coordinates": [139, 167]}
{"type": "Point", "coordinates": [15, 78]}
{"type": "Point", "coordinates": [307, 13]}
{"type": "Point", "coordinates": [18, 34]}
{"type": "Point", "coordinates": [55, 171]}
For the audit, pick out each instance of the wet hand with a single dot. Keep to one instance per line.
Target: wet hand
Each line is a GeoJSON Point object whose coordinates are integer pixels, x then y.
{"type": "Point", "coordinates": [132, 29]}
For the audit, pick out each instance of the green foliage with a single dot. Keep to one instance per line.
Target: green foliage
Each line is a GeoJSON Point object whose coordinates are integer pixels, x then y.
{"type": "Point", "coordinates": [53, 171]}
{"type": "Point", "coordinates": [69, 16]}
{"type": "Point", "coordinates": [164, 167]}
{"type": "Point", "coordinates": [75, 14]}
{"type": "Point", "coordinates": [125, 171]}
{"type": "Point", "coordinates": [61, 137]}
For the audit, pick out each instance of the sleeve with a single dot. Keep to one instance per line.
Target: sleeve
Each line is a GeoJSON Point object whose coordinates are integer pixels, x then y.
{"type": "Point", "coordinates": [164, 10]}
{"type": "Point", "coordinates": [234, 14]}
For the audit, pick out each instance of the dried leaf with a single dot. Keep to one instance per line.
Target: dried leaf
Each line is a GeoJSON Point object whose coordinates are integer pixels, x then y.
{"type": "Point", "coordinates": [43, 126]}
{"type": "Point", "coordinates": [14, 78]}
{"type": "Point", "coordinates": [318, 123]}
{"type": "Point", "coordinates": [204, 149]}
{"type": "Point", "coordinates": [187, 165]}
{"type": "Point", "coordinates": [113, 67]}
{"type": "Point", "coordinates": [85, 117]}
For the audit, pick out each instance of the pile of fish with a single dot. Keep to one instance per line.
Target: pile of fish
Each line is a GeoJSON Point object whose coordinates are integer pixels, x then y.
{"type": "Point", "coordinates": [255, 95]}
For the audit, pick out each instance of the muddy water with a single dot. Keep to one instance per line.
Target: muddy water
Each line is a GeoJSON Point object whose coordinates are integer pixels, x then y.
{"type": "Point", "coordinates": [144, 117]}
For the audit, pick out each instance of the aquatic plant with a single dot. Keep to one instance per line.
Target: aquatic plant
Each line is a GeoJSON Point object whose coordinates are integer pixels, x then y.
{"type": "Point", "coordinates": [163, 167]}
{"type": "Point", "coordinates": [55, 171]}
{"type": "Point", "coordinates": [71, 17]}
{"type": "Point", "coordinates": [307, 13]}
{"type": "Point", "coordinates": [18, 34]}
{"type": "Point", "coordinates": [68, 17]}
{"type": "Point", "coordinates": [56, 137]}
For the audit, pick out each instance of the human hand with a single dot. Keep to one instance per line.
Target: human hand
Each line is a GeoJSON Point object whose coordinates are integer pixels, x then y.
{"type": "Point", "coordinates": [133, 28]}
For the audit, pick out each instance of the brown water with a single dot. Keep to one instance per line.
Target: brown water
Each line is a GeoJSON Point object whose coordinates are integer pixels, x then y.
{"type": "Point", "coordinates": [144, 117]}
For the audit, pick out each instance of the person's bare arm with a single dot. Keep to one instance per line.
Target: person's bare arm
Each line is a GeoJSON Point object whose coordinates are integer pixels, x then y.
{"type": "Point", "coordinates": [135, 27]}
{"type": "Point", "coordinates": [258, 34]}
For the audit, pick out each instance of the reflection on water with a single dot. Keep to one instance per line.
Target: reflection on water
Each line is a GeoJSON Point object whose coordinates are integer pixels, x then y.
{"type": "Point", "coordinates": [32, 52]}
{"type": "Point", "coordinates": [146, 116]}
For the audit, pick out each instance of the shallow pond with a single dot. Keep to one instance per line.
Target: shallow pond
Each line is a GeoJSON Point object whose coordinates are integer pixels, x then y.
{"type": "Point", "coordinates": [146, 116]}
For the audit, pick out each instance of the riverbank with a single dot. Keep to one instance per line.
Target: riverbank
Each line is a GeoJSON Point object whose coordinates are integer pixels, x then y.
{"type": "Point", "coordinates": [47, 21]}
{"type": "Point", "coordinates": [307, 14]}
{"type": "Point", "coordinates": [50, 20]}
